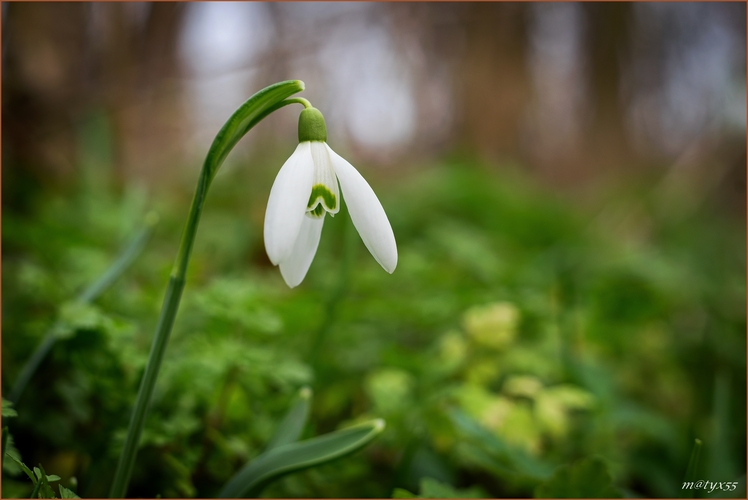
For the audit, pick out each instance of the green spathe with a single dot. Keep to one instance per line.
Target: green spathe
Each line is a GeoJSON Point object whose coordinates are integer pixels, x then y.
{"type": "Point", "coordinates": [312, 126]}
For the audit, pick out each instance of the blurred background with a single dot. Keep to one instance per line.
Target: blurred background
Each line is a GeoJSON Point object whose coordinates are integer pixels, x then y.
{"type": "Point", "coordinates": [566, 183]}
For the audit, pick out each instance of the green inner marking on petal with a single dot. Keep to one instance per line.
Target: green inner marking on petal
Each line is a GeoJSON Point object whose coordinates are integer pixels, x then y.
{"type": "Point", "coordinates": [320, 193]}
{"type": "Point", "coordinates": [317, 211]}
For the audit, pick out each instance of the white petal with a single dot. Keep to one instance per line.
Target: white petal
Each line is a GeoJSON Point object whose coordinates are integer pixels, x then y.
{"type": "Point", "coordinates": [324, 176]}
{"type": "Point", "coordinates": [367, 213]}
{"type": "Point", "coordinates": [295, 266]}
{"type": "Point", "coordinates": [287, 203]}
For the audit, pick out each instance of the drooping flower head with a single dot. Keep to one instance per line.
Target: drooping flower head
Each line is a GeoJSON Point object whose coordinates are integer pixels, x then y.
{"type": "Point", "coordinates": [305, 190]}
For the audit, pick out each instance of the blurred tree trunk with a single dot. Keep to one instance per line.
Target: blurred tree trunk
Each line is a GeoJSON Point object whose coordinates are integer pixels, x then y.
{"type": "Point", "coordinates": [428, 37]}
{"type": "Point", "coordinates": [43, 74]}
{"type": "Point", "coordinates": [152, 115]}
{"type": "Point", "coordinates": [609, 45]}
{"type": "Point", "coordinates": [493, 82]}
{"type": "Point", "coordinates": [142, 91]}
{"type": "Point", "coordinates": [67, 65]}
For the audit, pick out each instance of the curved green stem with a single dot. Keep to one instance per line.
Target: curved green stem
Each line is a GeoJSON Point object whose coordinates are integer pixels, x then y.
{"type": "Point", "coordinates": [247, 116]}
{"type": "Point", "coordinates": [299, 100]}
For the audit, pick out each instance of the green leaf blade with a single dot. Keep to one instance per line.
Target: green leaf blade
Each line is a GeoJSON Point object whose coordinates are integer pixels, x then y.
{"type": "Point", "coordinates": [24, 469]}
{"type": "Point", "coordinates": [45, 490]}
{"type": "Point", "coordinates": [35, 491]}
{"type": "Point", "coordinates": [693, 463]}
{"type": "Point", "coordinates": [297, 456]}
{"type": "Point", "coordinates": [292, 425]}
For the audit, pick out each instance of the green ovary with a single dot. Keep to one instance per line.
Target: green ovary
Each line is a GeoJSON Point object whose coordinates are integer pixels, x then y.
{"type": "Point", "coordinates": [321, 200]}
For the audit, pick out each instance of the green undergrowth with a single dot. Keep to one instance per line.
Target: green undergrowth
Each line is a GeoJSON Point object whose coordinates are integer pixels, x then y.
{"type": "Point", "coordinates": [525, 345]}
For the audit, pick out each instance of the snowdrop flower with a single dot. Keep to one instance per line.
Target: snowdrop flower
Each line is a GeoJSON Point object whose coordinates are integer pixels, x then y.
{"type": "Point", "coordinates": [305, 190]}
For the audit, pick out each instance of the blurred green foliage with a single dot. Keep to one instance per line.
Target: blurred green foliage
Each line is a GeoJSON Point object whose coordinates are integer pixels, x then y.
{"type": "Point", "coordinates": [588, 478]}
{"type": "Point", "coordinates": [519, 337]}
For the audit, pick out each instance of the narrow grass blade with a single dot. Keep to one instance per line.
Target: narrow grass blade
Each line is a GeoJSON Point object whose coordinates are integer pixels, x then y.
{"type": "Point", "coordinates": [693, 463]}
{"type": "Point", "coordinates": [35, 491]}
{"type": "Point", "coordinates": [45, 490]}
{"type": "Point", "coordinates": [128, 255]}
{"type": "Point", "coordinates": [292, 425]}
{"type": "Point", "coordinates": [720, 462]}
{"type": "Point", "coordinates": [24, 469]}
{"type": "Point", "coordinates": [288, 458]}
